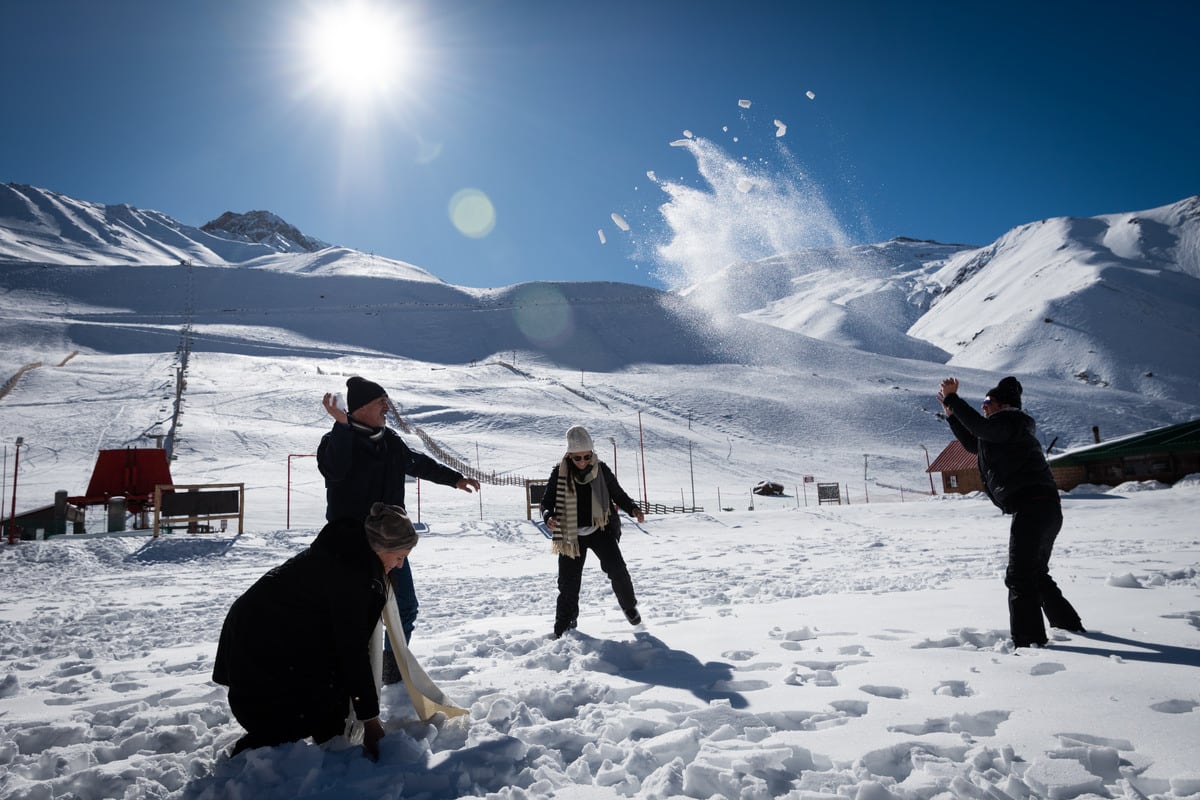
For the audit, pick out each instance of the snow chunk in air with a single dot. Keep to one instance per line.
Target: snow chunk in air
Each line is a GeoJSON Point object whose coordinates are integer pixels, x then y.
{"type": "Point", "coordinates": [620, 221]}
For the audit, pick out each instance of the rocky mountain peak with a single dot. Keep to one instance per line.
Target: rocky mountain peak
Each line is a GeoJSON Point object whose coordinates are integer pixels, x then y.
{"type": "Point", "coordinates": [263, 227]}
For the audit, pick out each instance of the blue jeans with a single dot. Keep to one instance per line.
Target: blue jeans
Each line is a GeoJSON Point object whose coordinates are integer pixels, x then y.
{"type": "Point", "coordinates": [406, 600]}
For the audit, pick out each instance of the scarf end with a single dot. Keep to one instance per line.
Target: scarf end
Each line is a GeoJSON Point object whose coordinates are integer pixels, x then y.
{"type": "Point", "coordinates": [562, 547]}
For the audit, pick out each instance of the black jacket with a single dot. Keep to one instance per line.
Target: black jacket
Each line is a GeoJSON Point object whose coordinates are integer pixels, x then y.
{"type": "Point", "coordinates": [549, 504]}
{"type": "Point", "coordinates": [359, 471]}
{"type": "Point", "coordinates": [1011, 462]}
{"type": "Point", "coordinates": [303, 630]}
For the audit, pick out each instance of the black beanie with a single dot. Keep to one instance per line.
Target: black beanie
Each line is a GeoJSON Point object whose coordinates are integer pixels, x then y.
{"type": "Point", "coordinates": [1008, 391]}
{"type": "Point", "coordinates": [360, 391]}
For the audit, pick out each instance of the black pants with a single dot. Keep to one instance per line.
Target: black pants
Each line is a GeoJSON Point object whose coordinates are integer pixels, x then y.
{"type": "Point", "coordinates": [1031, 590]}
{"type": "Point", "coordinates": [570, 575]}
{"type": "Point", "coordinates": [274, 720]}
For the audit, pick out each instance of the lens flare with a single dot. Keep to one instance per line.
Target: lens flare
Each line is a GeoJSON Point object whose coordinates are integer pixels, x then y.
{"type": "Point", "coordinates": [472, 213]}
{"type": "Point", "coordinates": [543, 314]}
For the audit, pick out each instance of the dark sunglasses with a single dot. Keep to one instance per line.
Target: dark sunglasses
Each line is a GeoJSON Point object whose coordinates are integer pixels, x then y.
{"type": "Point", "coordinates": [986, 401]}
{"type": "Point", "coordinates": [585, 457]}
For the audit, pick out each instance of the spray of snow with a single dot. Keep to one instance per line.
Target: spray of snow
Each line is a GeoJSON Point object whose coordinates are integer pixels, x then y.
{"type": "Point", "coordinates": [747, 211]}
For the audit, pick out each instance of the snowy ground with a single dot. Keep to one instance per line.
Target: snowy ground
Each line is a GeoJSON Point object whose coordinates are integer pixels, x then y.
{"type": "Point", "coordinates": [850, 651]}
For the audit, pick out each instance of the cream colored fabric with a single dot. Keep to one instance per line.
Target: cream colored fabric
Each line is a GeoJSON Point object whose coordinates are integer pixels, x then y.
{"type": "Point", "coordinates": [426, 697]}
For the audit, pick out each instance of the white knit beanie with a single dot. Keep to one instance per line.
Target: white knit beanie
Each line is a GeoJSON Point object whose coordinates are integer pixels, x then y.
{"type": "Point", "coordinates": [578, 440]}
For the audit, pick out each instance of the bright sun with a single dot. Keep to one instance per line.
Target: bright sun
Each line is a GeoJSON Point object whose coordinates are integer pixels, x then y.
{"type": "Point", "coordinates": [357, 51]}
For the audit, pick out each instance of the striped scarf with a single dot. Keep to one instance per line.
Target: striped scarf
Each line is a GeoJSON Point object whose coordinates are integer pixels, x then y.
{"type": "Point", "coordinates": [566, 538]}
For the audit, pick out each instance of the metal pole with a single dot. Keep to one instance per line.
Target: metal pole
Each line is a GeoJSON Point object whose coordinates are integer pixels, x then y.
{"type": "Point", "coordinates": [927, 472]}
{"type": "Point", "coordinates": [690, 472]}
{"type": "Point", "coordinates": [4, 483]}
{"type": "Point", "coordinates": [613, 439]}
{"type": "Point", "coordinates": [642, 445]}
{"type": "Point", "coordinates": [866, 493]}
{"type": "Point", "coordinates": [479, 470]}
{"type": "Point", "coordinates": [13, 536]}
{"type": "Point", "coordinates": [289, 483]}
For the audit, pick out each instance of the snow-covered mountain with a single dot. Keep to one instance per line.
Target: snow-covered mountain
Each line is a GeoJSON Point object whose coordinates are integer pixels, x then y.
{"type": "Point", "coordinates": [1103, 302]}
{"type": "Point", "coordinates": [40, 226]}
{"type": "Point", "coordinates": [864, 297]}
{"type": "Point", "coordinates": [1109, 301]}
{"type": "Point", "coordinates": [1112, 300]}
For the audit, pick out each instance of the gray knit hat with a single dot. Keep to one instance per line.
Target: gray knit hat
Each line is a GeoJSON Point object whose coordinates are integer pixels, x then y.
{"type": "Point", "coordinates": [389, 529]}
{"type": "Point", "coordinates": [578, 440]}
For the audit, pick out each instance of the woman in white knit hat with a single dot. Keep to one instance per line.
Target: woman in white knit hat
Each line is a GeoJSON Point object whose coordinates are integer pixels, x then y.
{"type": "Point", "coordinates": [578, 508]}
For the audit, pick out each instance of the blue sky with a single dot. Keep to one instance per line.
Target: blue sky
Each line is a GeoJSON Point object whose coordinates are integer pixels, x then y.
{"type": "Point", "coordinates": [938, 120]}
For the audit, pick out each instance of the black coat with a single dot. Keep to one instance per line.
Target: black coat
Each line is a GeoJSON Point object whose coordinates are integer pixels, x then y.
{"type": "Point", "coordinates": [1010, 457]}
{"type": "Point", "coordinates": [303, 630]}
{"type": "Point", "coordinates": [359, 472]}
{"type": "Point", "coordinates": [549, 504]}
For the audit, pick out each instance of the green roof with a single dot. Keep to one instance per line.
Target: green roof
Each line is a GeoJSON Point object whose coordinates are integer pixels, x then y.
{"type": "Point", "coordinates": [1184, 437]}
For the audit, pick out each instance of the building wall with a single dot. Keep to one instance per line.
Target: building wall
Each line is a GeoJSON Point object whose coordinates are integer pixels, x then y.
{"type": "Point", "coordinates": [963, 481]}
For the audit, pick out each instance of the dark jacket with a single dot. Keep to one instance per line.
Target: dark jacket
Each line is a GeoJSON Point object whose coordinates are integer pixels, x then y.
{"type": "Point", "coordinates": [1011, 462]}
{"type": "Point", "coordinates": [359, 472]}
{"type": "Point", "coordinates": [549, 504]}
{"type": "Point", "coordinates": [303, 630]}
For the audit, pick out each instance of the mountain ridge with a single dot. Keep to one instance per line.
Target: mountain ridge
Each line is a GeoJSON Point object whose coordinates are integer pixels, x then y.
{"type": "Point", "coordinates": [1106, 301]}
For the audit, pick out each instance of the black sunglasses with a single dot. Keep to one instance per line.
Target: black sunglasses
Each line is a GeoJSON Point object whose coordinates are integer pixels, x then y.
{"type": "Point", "coordinates": [585, 457]}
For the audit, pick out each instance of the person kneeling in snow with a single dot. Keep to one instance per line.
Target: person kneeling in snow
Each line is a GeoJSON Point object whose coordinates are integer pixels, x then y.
{"type": "Point", "coordinates": [295, 648]}
{"type": "Point", "coordinates": [578, 508]}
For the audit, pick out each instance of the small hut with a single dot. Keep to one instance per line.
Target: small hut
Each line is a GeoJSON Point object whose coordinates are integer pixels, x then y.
{"type": "Point", "coordinates": [959, 469]}
{"type": "Point", "coordinates": [1162, 454]}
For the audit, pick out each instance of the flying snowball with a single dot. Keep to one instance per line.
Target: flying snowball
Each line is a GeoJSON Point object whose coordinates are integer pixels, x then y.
{"type": "Point", "coordinates": [650, 174]}
{"type": "Point", "coordinates": [810, 95]}
{"type": "Point", "coordinates": [780, 129]}
{"type": "Point", "coordinates": [744, 103]}
{"type": "Point", "coordinates": [681, 143]}
{"type": "Point", "coordinates": [620, 221]}
{"type": "Point", "coordinates": [600, 233]}
{"type": "Point", "coordinates": [744, 185]}
{"type": "Point", "coordinates": [688, 134]}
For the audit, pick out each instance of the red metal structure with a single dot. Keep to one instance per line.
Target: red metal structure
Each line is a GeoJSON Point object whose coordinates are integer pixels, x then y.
{"type": "Point", "coordinates": [131, 473]}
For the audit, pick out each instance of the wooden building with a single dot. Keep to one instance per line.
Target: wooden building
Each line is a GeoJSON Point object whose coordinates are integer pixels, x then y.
{"type": "Point", "coordinates": [960, 470]}
{"type": "Point", "coordinates": [1163, 454]}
